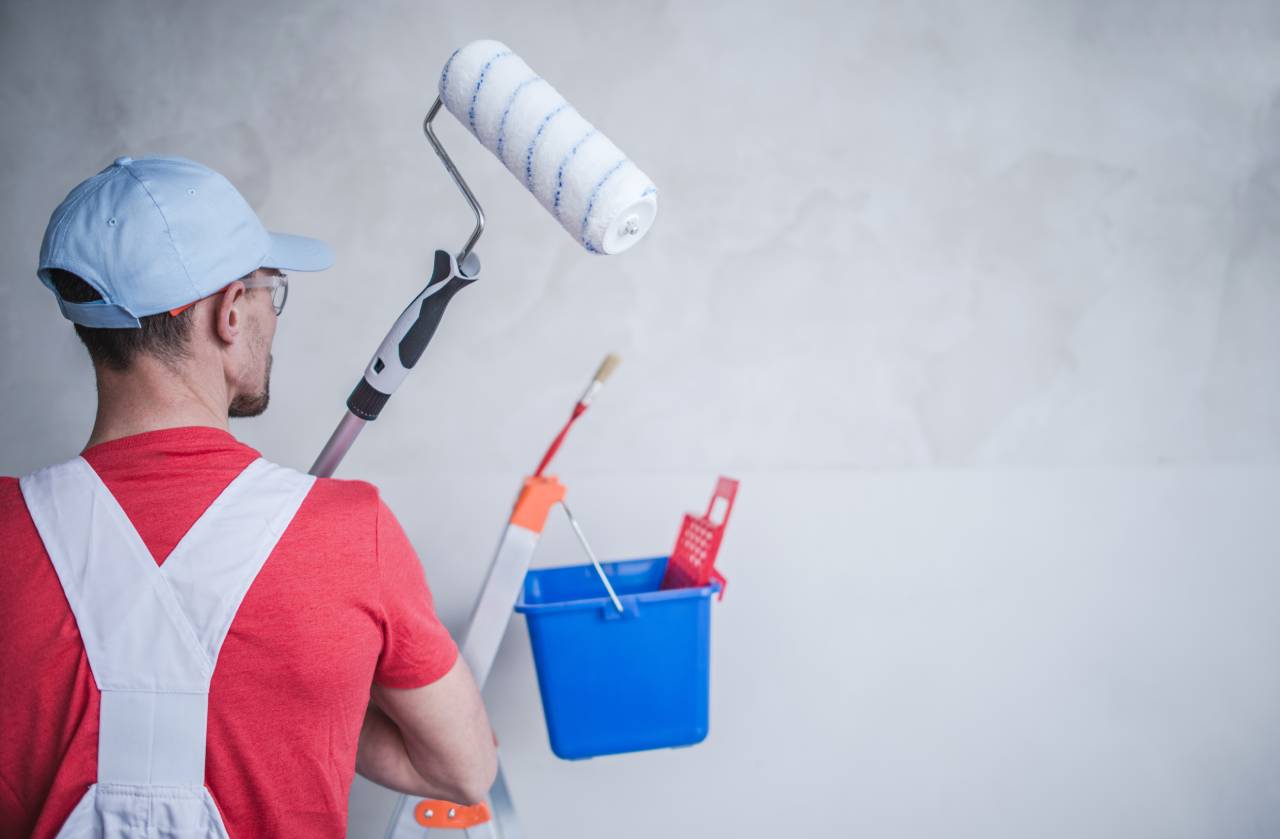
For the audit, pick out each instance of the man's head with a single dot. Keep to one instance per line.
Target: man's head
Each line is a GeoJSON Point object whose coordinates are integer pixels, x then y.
{"type": "Point", "coordinates": [233, 328]}
{"type": "Point", "coordinates": [160, 261]}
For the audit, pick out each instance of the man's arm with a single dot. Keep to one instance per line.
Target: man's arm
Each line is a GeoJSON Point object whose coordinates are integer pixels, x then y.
{"type": "Point", "coordinates": [432, 741]}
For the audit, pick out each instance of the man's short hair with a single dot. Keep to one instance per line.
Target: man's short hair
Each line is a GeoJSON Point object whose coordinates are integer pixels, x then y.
{"type": "Point", "coordinates": [165, 336]}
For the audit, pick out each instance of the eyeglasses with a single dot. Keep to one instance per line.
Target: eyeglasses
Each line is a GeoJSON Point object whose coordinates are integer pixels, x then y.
{"type": "Point", "coordinates": [278, 283]}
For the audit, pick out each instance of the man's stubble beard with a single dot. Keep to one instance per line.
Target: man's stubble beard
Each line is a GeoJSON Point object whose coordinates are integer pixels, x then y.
{"type": "Point", "coordinates": [251, 405]}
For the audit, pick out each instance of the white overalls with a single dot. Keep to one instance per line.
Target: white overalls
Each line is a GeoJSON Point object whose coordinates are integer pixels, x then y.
{"type": "Point", "coordinates": [152, 634]}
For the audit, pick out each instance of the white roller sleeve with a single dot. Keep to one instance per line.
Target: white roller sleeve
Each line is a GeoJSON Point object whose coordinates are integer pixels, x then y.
{"type": "Point", "coordinates": [594, 190]}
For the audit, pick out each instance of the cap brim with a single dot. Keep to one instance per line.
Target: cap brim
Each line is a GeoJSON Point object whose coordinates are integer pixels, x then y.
{"type": "Point", "coordinates": [297, 253]}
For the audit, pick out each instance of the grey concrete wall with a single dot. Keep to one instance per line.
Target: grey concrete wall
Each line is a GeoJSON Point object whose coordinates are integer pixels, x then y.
{"type": "Point", "coordinates": [978, 300]}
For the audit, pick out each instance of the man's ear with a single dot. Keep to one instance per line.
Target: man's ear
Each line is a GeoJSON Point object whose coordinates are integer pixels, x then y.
{"type": "Point", "coordinates": [229, 312]}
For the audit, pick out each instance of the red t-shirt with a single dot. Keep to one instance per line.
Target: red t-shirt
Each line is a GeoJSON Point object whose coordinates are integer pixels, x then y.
{"type": "Point", "coordinates": [340, 603]}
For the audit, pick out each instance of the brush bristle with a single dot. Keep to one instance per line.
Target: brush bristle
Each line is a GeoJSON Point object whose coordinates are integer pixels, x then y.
{"type": "Point", "coordinates": [610, 363]}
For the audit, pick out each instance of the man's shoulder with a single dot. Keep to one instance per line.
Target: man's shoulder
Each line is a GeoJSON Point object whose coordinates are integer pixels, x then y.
{"type": "Point", "coordinates": [346, 489]}
{"type": "Point", "coordinates": [339, 499]}
{"type": "Point", "coordinates": [337, 518]}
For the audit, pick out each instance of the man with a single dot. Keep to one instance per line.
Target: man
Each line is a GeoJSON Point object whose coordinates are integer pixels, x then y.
{"type": "Point", "coordinates": [192, 637]}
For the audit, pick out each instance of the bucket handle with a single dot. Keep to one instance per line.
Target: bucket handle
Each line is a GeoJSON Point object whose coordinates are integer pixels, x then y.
{"type": "Point", "coordinates": [631, 609]}
{"type": "Point", "coordinates": [582, 538]}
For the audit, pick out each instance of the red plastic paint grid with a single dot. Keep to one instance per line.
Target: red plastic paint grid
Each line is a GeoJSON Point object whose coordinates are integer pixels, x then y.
{"type": "Point", "coordinates": [692, 562]}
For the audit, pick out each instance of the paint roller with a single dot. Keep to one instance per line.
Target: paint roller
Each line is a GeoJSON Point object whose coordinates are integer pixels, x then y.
{"type": "Point", "coordinates": [596, 193]}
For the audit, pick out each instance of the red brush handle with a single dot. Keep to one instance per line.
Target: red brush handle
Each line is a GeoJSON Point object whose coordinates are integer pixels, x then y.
{"type": "Point", "coordinates": [578, 410]}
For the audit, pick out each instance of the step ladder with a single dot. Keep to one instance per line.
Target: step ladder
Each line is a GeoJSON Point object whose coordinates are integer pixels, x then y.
{"type": "Point", "coordinates": [412, 817]}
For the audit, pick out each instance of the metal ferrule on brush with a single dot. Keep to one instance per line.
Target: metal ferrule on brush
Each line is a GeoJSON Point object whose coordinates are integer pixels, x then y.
{"type": "Point", "coordinates": [610, 363]}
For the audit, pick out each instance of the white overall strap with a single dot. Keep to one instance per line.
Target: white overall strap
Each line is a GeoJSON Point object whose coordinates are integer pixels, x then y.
{"type": "Point", "coordinates": [213, 566]}
{"type": "Point", "coordinates": [129, 619]}
{"type": "Point", "coordinates": [152, 634]}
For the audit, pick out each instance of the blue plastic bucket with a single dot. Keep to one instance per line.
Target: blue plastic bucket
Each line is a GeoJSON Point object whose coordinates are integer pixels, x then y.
{"type": "Point", "coordinates": [619, 682]}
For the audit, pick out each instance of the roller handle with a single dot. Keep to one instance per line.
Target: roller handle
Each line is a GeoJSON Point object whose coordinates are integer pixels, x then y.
{"type": "Point", "coordinates": [408, 338]}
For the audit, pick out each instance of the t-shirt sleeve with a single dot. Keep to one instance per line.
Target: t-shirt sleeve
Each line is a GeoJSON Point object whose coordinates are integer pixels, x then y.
{"type": "Point", "coordinates": [416, 648]}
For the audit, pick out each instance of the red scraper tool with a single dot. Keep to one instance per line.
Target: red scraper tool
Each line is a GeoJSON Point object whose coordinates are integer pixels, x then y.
{"type": "Point", "coordinates": [693, 560]}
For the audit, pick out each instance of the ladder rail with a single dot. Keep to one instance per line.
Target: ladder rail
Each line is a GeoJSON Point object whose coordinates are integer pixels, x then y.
{"type": "Point", "coordinates": [485, 628]}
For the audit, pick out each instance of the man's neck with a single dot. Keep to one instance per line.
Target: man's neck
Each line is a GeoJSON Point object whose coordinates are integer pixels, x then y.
{"type": "Point", "coordinates": [150, 396]}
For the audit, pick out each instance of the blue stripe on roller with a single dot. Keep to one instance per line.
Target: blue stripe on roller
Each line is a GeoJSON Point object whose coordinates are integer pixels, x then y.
{"type": "Point", "coordinates": [484, 71]}
{"type": "Point", "coordinates": [555, 207]}
{"type": "Point", "coordinates": [502, 126]}
{"type": "Point", "coordinates": [591, 202]}
{"type": "Point", "coordinates": [444, 76]}
{"type": "Point", "coordinates": [528, 153]}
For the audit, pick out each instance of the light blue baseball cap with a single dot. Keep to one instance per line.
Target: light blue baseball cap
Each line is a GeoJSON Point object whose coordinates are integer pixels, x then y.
{"type": "Point", "coordinates": [157, 233]}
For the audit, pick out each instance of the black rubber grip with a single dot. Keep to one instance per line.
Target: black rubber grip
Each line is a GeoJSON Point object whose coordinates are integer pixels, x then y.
{"type": "Point", "coordinates": [419, 335]}
{"type": "Point", "coordinates": [366, 401]}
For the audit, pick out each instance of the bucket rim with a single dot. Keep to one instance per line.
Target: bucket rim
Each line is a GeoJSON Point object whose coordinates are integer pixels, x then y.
{"type": "Point", "coordinates": [523, 606]}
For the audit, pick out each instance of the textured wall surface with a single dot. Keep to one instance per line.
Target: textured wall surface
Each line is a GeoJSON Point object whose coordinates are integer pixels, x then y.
{"type": "Point", "coordinates": [980, 302]}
